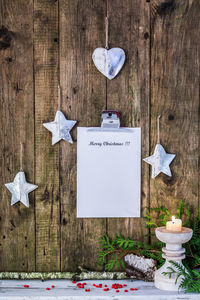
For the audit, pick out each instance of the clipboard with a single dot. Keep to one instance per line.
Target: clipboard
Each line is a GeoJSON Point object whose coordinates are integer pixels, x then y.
{"type": "Point", "coordinates": [108, 169]}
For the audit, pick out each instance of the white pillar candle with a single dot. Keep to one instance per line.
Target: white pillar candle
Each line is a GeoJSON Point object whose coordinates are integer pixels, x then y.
{"type": "Point", "coordinates": [174, 225]}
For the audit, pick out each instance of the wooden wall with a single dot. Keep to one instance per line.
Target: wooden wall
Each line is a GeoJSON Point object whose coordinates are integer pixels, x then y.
{"type": "Point", "coordinates": [43, 42]}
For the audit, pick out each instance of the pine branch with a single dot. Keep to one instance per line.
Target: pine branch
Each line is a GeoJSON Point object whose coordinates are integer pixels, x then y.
{"type": "Point", "coordinates": [112, 251]}
{"type": "Point", "coordinates": [191, 278]}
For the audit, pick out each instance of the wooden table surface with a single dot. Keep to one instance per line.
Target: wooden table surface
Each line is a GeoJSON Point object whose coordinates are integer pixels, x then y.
{"type": "Point", "coordinates": [66, 290]}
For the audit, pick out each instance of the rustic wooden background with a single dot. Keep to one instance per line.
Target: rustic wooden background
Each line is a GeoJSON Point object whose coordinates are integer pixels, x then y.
{"type": "Point", "coordinates": [44, 41]}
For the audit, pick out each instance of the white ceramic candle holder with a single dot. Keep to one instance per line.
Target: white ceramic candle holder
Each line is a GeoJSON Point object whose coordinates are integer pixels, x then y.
{"type": "Point", "coordinates": [172, 252]}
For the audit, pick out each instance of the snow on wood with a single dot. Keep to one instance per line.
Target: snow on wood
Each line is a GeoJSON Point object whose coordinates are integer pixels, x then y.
{"type": "Point", "coordinates": [140, 267]}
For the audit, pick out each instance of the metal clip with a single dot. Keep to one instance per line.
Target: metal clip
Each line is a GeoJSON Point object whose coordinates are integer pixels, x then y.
{"type": "Point", "coordinates": [110, 119]}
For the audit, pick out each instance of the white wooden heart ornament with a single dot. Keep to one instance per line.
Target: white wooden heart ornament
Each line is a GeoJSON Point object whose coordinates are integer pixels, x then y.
{"type": "Point", "coordinates": [109, 62]}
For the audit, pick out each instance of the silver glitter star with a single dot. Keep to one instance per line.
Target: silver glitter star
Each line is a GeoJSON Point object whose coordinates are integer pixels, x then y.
{"type": "Point", "coordinates": [20, 189]}
{"type": "Point", "coordinates": [60, 128]}
{"type": "Point", "coordinates": [160, 161]}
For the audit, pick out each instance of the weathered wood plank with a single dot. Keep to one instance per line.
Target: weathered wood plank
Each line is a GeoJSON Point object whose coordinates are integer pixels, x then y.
{"type": "Point", "coordinates": [129, 91]}
{"type": "Point", "coordinates": [66, 290]}
{"type": "Point", "coordinates": [174, 91]}
{"type": "Point", "coordinates": [17, 228]}
{"type": "Point", "coordinates": [84, 97]}
{"type": "Point", "coordinates": [47, 156]}
{"type": "Point", "coordinates": [175, 95]}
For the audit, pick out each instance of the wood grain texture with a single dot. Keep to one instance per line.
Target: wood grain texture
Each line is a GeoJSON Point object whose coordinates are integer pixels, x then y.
{"type": "Point", "coordinates": [129, 92]}
{"type": "Point", "coordinates": [84, 97]}
{"type": "Point", "coordinates": [175, 95]}
{"type": "Point", "coordinates": [47, 156]}
{"type": "Point", "coordinates": [44, 40]}
{"type": "Point", "coordinates": [17, 227]}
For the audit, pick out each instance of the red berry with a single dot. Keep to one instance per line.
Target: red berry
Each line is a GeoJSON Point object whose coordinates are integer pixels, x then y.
{"type": "Point", "coordinates": [73, 281]}
{"type": "Point", "coordinates": [135, 289]}
{"type": "Point", "coordinates": [131, 289]}
{"type": "Point", "coordinates": [117, 291]}
{"type": "Point", "coordinates": [124, 284]}
{"type": "Point", "coordinates": [125, 291]}
{"type": "Point", "coordinates": [105, 285]}
{"type": "Point", "coordinates": [26, 286]}
{"type": "Point", "coordinates": [53, 286]}
{"type": "Point", "coordinates": [47, 289]}
{"type": "Point", "coordinates": [94, 284]}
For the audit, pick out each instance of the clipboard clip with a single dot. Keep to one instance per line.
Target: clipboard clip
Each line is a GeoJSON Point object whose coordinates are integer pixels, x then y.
{"type": "Point", "coordinates": [110, 119]}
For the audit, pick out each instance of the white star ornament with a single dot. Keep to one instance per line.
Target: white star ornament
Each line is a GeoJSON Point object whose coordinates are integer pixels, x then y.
{"type": "Point", "coordinates": [160, 161]}
{"type": "Point", "coordinates": [20, 189]}
{"type": "Point", "coordinates": [60, 128]}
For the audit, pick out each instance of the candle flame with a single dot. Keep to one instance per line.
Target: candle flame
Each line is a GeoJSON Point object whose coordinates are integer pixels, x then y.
{"type": "Point", "coordinates": [173, 219]}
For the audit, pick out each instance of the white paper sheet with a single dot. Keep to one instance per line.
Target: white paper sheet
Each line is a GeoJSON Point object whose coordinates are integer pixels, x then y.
{"type": "Point", "coordinates": [108, 172]}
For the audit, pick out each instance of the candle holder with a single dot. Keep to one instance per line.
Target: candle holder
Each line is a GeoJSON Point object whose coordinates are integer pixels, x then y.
{"type": "Point", "coordinates": [172, 252]}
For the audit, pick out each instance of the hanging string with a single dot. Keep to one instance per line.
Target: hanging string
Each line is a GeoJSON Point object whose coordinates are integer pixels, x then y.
{"type": "Point", "coordinates": [158, 129]}
{"type": "Point", "coordinates": [21, 156]}
{"type": "Point", "coordinates": [106, 32]}
{"type": "Point", "coordinates": [59, 97]}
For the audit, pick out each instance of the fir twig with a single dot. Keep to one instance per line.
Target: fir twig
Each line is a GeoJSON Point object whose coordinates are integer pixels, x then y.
{"type": "Point", "coordinates": [112, 251]}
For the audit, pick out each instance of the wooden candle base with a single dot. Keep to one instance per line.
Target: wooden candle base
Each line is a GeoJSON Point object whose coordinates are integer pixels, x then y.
{"type": "Point", "coordinates": [172, 252]}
